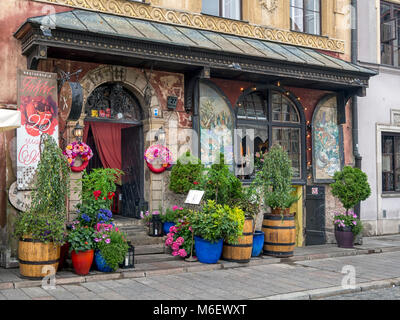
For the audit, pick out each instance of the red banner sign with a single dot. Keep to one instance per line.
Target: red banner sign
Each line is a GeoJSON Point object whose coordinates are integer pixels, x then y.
{"type": "Point", "coordinates": [37, 102]}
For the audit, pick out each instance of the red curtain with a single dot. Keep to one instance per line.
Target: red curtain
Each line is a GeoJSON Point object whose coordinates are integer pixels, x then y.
{"type": "Point", "coordinates": [107, 137]}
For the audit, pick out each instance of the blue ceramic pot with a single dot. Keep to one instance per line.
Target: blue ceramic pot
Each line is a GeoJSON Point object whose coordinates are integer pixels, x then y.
{"type": "Point", "coordinates": [258, 242]}
{"type": "Point", "coordinates": [206, 251]}
{"type": "Point", "coordinates": [167, 225]}
{"type": "Point", "coordinates": [101, 263]}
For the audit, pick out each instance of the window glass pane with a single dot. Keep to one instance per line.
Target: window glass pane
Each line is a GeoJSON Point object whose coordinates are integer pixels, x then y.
{"type": "Point", "coordinates": [296, 19]}
{"type": "Point", "coordinates": [397, 163]}
{"type": "Point", "coordinates": [210, 7]}
{"type": "Point", "coordinates": [312, 23]}
{"type": "Point", "coordinates": [296, 3]}
{"type": "Point", "coordinates": [216, 126]}
{"type": "Point", "coordinates": [312, 5]}
{"type": "Point", "coordinates": [387, 163]}
{"type": "Point", "coordinates": [250, 149]}
{"type": "Point", "coordinates": [289, 139]}
{"type": "Point", "coordinates": [283, 109]}
{"type": "Point", "coordinates": [254, 105]}
{"type": "Point", "coordinates": [386, 54]}
{"type": "Point", "coordinates": [231, 9]}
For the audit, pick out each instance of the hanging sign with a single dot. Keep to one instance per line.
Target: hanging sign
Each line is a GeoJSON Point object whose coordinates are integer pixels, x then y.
{"type": "Point", "coordinates": [70, 101]}
{"type": "Point", "coordinates": [37, 102]}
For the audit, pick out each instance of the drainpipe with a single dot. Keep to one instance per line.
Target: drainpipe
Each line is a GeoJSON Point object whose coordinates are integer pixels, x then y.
{"type": "Point", "coordinates": [354, 59]}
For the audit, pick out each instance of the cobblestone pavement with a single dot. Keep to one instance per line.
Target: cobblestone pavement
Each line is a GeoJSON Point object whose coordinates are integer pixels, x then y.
{"type": "Point", "coordinates": [253, 282]}
{"type": "Point", "coordinates": [378, 294]}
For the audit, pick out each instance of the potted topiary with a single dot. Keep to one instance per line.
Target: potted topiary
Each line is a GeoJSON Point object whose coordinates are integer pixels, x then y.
{"type": "Point", "coordinates": [211, 226]}
{"type": "Point", "coordinates": [350, 187]}
{"type": "Point", "coordinates": [41, 229]}
{"type": "Point", "coordinates": [274, 180]}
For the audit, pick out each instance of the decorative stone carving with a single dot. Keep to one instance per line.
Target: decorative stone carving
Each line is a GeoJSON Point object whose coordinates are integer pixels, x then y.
{"type": "Point", "coordinates": [199, 21]}
{"type": "Point", "coordinates": [269, 5]}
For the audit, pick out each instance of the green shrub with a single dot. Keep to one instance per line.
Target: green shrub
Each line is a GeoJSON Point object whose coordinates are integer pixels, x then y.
{"type": "Point", "coordinates": [220, 184]}
{"type": "Point", "coordinates": [215, 222]}
{"type": "Point", "coordinates": [186, 174]}
{"type": "Point", "coordinates": [275, 179]}
{"type": "Point", "coordinates": [350, 187]}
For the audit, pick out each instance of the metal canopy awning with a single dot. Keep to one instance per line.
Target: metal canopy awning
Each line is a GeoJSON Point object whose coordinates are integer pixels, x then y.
{"type": "Point", "coordinates": [104, 38]}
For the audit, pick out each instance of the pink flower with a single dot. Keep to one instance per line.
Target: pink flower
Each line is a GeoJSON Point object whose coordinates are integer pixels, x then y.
{"type": "Point", "coordinates": [169, 241]}
{"type": "Point", "coordinates": [170, 235]}
{"type": "Point", "coordinates": [190, 229]}
{"type": "Point", "coordinates": [175, 246]}
{"type": "Point", "coordinates": [175, 253]}
{"type": "Point", "coordinates": [354, 222]}
{"type": "Point", "coordinates": [180, 208]}
{"type": "Point", "coordinates": [180, 241]}
{"type": "Point", "coordinates": [174, 208]}
{"type": "Point", "coordinates": [156, 213]}
{"type": "Point", "coordinates": [141, 215]}
{"type": "Point", "coordinates": [108, 240]}
{"type": "Point", "coordinates": [182, 253]}
{"type": "Point", "coordinates": [172, 229]}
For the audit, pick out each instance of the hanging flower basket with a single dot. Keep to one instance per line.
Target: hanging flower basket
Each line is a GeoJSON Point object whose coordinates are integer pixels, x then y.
{"type": "Point", "coordinates": [158, 153]}
{"type": "Point", "coordinates": [75, 149]}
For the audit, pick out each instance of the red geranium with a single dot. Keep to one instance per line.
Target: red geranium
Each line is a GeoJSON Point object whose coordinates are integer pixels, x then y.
{"type": "Point", "coordinates": [111, 195]}
{"type": "Point", "coordinates": [97, 194]}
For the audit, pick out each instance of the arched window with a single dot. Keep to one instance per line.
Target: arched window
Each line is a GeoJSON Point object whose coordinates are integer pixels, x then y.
{"type": "Point", "coordinates": [216, 125]}
{"type": "Point", "coordinates": [113, 102]}
{"type": "Point", "coordinates": [265, 117]}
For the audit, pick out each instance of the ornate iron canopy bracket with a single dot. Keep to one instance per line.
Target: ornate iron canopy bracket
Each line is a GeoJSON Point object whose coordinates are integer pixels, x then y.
{"type": "Point", "coordinates": [38, 52]}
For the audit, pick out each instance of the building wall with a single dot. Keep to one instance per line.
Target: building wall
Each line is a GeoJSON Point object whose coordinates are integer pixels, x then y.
{"type": "Point", "coordinates": [380, 214]}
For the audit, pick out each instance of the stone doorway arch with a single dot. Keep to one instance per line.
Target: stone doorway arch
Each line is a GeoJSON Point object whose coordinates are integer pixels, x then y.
{"type": "Point", "coordinates": [138, 84]}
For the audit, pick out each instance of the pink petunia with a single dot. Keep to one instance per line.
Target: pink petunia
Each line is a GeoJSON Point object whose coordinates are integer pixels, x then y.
{"type": "Point", "coordinates": [182, 253]}
{"type": "Point", "coordinates": [174, 208]}
{"type": "Point", "coordinates": [108, 240]}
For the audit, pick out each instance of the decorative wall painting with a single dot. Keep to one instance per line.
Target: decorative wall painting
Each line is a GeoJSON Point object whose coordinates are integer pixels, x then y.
{"type": "Point", "coordinates": [327, 140]}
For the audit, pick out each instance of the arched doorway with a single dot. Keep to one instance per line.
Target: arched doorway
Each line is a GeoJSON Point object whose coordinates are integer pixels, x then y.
{"type": "Point", "coordinates": [114, 130]}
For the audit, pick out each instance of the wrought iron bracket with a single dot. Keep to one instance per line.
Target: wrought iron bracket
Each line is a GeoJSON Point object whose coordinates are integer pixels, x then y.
{"type": "Point", "coordinates": [39, 52]}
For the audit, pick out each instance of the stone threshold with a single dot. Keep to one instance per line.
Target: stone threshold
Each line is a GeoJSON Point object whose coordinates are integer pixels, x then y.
{"type": "Point", "coordinates": [180, 266]}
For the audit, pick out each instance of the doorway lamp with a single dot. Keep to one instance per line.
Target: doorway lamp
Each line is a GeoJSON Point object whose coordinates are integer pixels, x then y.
{"type": "Point", "coordinates": [78, 131]}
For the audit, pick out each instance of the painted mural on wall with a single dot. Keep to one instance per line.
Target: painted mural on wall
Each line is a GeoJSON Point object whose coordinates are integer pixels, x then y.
{"type": "Point", "coordinates": [326, 140]}
{"type": "Point", "coordinates": [37, 96]}
{"type": "Point", "coordinates": [216, 126]}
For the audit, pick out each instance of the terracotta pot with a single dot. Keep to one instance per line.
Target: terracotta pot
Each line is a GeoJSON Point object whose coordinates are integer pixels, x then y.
{"type": "Point", "coordinates": [82, 261]}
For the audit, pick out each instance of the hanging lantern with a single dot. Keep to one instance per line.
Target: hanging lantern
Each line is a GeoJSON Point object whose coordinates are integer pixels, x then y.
{"type": "Point", "coordinates": [129, 261]}
{"type": "Point", "coordinates": [155, 226]}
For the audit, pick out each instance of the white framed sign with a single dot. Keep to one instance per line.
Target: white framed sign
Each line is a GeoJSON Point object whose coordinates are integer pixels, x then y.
{"type": "Point", "coordinates": [194, 197]}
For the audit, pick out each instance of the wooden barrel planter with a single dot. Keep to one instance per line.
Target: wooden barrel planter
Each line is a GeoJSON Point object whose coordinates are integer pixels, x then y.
{"type": "Point", "coordinates": [240, 252]}
{"type": "Point", "coordinates": [280, 235]}
{"type": "Point", "coordinates": [33, 255]}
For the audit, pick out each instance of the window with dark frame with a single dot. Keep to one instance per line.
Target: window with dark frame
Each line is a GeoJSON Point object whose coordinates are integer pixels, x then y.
{"type": "Point", "coordinates": [390, 27]}
{"type": "Point", "coordinates": [305, 16]}
{"type": "Point", "coordinates": [231, 9]}
{"type": "Point", "coordinates": [390, 162]}
{"type": "Point", "coordinates": [274, 119]}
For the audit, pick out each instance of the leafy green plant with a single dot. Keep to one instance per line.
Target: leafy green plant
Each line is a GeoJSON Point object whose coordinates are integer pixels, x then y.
{"type": "Point", "coordinates": [80, 238]}
{"type": "Point", "coordinates": [45, 219]}
{"type": "Point", "coordinates": [215, 222]}
{"type": "Point", "coordinates": [220, 184]}
{"type": "Point", "coordinates": [186, 174]}
{"type": "Point", "coordinates": [112, 245]}
{"type": "Point", "coordinates": [274, 179]}
{"type": "Point", "coordinates": [350, 187]}
{"type": "Point", "coordinates": [350, 220]}
{"type": "Point", "coordinates": [174, 214]}
{"type": "Point", "coordinates": [102, 179]}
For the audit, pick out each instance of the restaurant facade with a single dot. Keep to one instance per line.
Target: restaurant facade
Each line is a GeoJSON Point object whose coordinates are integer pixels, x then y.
{"type": "Point", "coordinates": [228, 76]}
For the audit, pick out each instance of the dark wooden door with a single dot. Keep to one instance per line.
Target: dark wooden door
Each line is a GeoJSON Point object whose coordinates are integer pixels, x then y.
{"type": "Point", "coordinates": [315, 215]}
{"type": "Point", "coordinates": [132, 165]}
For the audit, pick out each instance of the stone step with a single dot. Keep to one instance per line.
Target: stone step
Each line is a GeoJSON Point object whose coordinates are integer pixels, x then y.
{"type": "Point", "coordinates": [145, 240]}
{"type": "Point", "coordinates": [149, 249]}
{"type": "Point", "coordinates": [120, 221]}
{"type": "Point", "coordinates": [150, 258]}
